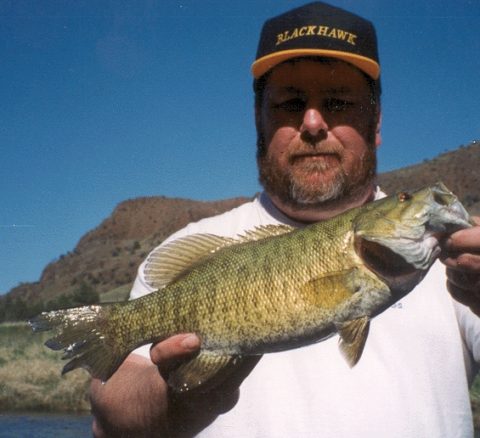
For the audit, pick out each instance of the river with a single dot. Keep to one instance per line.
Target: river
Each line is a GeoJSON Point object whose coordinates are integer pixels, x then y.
{"type": "Point", "coordinates": [45, 426]}
{"type": "Point", "coordinates": [52, 425]}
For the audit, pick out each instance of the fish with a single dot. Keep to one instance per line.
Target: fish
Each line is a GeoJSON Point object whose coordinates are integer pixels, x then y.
{"type": "Point", "coordinates": [271, 289]}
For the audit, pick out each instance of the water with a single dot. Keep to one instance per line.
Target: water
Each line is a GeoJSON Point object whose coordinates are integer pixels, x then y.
{"type": "Point", "coordinates": [53, 425]}
{"type": "Point", "coordinates": [45, 426]}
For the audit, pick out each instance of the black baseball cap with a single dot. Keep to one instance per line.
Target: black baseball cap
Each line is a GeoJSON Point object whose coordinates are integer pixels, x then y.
{"type": "Point", "coordinates": [318, 29]}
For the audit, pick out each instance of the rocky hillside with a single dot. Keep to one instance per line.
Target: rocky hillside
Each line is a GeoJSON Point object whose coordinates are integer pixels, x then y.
{"type": "Point", "coordinates": [107, 257]}
{"type": "Point", "coordinates": [459, 170]}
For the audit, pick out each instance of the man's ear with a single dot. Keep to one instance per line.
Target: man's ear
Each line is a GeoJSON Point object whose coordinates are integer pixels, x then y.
{"type": "Point", "coordinates": [378, 135]}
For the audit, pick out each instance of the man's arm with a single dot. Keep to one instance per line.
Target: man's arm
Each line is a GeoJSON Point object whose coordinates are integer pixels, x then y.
{"type": "Point", "coordinates": [134, 401]}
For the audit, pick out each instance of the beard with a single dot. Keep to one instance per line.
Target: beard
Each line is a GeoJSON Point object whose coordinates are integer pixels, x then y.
{"type": "Point", "coordinates": [312, 183]}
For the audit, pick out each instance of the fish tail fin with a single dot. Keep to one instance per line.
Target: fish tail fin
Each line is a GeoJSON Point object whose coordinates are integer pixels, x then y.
{"type": "Point", "coordinates": [85, 336]}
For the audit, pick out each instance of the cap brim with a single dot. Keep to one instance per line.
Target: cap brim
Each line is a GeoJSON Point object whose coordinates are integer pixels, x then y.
{"type": "Point", "coordinates": [367, 65]}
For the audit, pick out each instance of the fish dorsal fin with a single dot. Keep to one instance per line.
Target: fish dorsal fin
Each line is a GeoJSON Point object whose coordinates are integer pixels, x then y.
{"type": "Point", "coordinates": [168, 262]}
{"type": "Point", "coordinates": [264, 231]}
{"type": "Point", "coordinates": [353, 336]}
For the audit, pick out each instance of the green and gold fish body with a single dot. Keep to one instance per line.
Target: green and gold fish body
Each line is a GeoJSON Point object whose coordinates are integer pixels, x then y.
{"type": "Point", "coordinates": [273, 289]}
{"type": "Point", "coordinates": [264, 295]}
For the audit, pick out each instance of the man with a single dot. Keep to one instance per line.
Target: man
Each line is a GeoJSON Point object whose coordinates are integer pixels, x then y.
{"type": "Point", "coordinates": [318, 122]}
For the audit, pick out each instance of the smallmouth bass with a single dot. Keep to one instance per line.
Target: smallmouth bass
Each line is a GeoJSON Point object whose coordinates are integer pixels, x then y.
{"type": "Point", "coordinates": [272, 289]}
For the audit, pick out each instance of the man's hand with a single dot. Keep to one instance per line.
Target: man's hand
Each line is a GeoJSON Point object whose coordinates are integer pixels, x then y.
{"type": "Point", "coordinates": [461, 255]}
{"type": "Point", "coordinates": [168, 354]}
{"type": "Point", "coordinates": [135, 401]}
{"type": "Point", "coordinates": [191, 412]}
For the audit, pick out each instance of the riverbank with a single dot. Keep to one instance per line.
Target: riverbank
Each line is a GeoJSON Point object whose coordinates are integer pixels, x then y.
{"type": "Point", "coordinates": [30, 375]}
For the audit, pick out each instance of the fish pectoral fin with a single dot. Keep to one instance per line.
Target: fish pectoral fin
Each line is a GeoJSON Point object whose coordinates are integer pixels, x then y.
{"type": "Point", "coordinates": [330, 290]}
{"type": "Point", "coordinates": [353, 335]}
{"type": "Point", "coordinates": [207, 370]}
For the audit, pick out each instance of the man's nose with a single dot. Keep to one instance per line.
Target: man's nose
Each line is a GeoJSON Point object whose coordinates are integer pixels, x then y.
{"type": "Point", "coordinates": [313, 123]}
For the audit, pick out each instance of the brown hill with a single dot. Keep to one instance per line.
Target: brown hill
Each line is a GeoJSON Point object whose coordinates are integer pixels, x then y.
{"type": "Point", "coordinates": [107, 257]}
{"type": "Point", "coordinates": [459, 170]}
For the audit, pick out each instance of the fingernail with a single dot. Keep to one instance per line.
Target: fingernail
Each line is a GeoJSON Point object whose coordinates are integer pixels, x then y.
{"type": "Point", "coordinates": [190, 342]}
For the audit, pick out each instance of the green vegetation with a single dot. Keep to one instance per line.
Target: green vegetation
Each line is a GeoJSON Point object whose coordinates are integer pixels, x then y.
{"type": "Point", "coordinates": [120, 293]}
{"type": "Point", "coordinates": [475, 401]}
{"type": "Point", "coordinates": [19, 309]}
{"type": "Point", "coordinates": [30, 378]}
{"type": "Point", "coordinates": [30, 373]}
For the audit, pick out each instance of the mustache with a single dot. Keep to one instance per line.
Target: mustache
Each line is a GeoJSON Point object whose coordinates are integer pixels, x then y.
{"type": "Point", "coordinates": [300, 149]}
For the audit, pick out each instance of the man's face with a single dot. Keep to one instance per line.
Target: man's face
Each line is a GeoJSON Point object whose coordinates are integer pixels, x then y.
{"type": "Point", "coordinates": [319, 128]}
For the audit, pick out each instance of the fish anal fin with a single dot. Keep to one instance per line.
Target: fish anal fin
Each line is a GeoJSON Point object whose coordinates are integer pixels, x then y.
{"type": "Point", "coordinates": [353, 335]}
{"type": "Point", "coordinates": [205, 371]}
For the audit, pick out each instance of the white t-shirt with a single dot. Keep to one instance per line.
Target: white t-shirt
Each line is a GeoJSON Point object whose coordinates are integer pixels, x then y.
{"type": "Point", "coordinates": [412, 380]}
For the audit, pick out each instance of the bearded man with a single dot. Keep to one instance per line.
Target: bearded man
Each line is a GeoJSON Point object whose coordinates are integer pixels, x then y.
{"type": "Point", "coordinates": [317, 110]}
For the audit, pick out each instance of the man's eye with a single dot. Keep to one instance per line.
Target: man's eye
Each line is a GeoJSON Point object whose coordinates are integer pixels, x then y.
{"type": "Point", "coordinates": [337, 105]}
{"type": "Point", "coordinates": [292, 105]}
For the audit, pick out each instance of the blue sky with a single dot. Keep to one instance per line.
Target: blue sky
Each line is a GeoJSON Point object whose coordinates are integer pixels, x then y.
{"type": "Point", "coordinates": [103, 101]}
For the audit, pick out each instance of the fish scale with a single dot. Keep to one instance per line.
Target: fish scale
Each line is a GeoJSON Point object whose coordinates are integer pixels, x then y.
{"type": "Point", "coordinates": [272, 289]}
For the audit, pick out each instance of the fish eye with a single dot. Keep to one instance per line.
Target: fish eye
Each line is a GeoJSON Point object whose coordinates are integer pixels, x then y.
{"type": "Point", "coordinates": [404, 196]}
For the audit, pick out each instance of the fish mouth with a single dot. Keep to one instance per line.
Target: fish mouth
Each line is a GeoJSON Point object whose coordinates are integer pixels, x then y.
{"type": "Point", "coordinates": [393, 269]}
